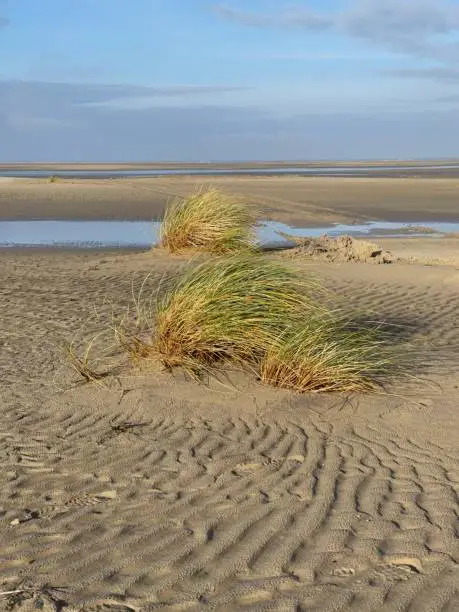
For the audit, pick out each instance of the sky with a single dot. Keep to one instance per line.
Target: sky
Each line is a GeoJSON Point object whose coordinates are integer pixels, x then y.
{"type": "Point", "coordinates": [202, 80]}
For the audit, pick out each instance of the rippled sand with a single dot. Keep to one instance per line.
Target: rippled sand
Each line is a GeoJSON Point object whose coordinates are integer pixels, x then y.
{"type": "Point", "coordinates": [153, 492]}
{"type": "Point", "coordinates": [157, 493]}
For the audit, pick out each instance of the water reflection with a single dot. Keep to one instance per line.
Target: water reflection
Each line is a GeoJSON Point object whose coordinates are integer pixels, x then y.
{"type": "Point", "coordinates": [140, 234]}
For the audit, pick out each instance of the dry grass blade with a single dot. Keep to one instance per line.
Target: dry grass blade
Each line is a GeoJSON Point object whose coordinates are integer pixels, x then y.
{"type": "Point", "coordinates": [134, 330]}
{"type": "Point", "coordinates": [83, 363]}
{"type": "Point", "coordinates": [229, 309]}
{"type": "Point", "coordinates": [43, 596]}
{"type": "Point", "coordinates": [324, 354]}
{"type": "Point", "coordinates": [207, 220]}
{"type": "Point", "coordinates": [15, 592]}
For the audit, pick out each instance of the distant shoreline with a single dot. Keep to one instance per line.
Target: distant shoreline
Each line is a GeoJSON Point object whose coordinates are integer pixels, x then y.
{"type": "Point", "coordinates": [85, 172]}
{"type": "Point", "coordinates": [50, 166]}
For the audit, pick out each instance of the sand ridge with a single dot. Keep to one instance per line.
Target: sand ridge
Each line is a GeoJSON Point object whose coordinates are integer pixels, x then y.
{"type": "Point", "coordinates": [158, 493]}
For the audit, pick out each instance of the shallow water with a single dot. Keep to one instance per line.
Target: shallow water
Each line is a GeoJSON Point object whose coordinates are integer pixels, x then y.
{"type": "Point", "coordinates": [84, 234]}
{"type": "Point", "coordinates": [274, 170]}
{"type": "Point", "coordinates": [383, 229]}
{"type": "Point", "coordinates": [140, 234]}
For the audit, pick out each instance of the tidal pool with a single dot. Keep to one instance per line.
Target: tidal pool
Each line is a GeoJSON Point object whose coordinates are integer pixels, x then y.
{"type": "Point", "coordinates": [143, 234]}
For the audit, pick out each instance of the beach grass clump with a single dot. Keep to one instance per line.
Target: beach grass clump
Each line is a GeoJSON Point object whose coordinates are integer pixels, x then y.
{"type": "Point", "coordinates": [208, 220]}
{"type": "Point", "coordinates": [326, 353]}
{"type": "Point", "coordinates": [229, 309]}
{"type": "Point", "coordinates": [253, 312]}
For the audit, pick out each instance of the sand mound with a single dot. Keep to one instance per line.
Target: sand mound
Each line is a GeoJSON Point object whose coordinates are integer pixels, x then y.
{"type": "Point", "coordinates": [342, 248]}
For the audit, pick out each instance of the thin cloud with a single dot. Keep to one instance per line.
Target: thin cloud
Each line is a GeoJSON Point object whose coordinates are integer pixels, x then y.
{"type": "Point", "coordinates": [289, 17]}
{"type": "Point", "coordinates": [451, 98]}
{"type": "Point", "coordinates": [412, 27]}
{"type": "Point", "coordinates": [34, 106]}
{"type": "Point", "coordinates": [444, 74]}
{"type": "Point", "coordinates": [30, 122]}
{"type": "Point", "coordinates": [225, 133]}
{"type": "Point", "coordinates": [60, 96]}
{"type": "Point", "coordinates": [4, 21]}
{"type": "Point", "coordinates": [310, 56]}
{"type": "Point", "coordinates": [421, 28]}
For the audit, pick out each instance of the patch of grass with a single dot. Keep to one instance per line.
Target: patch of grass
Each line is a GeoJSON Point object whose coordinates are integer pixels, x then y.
{"type": "Point", "coordinates": [228, 309]}
{"type": "Point", "coordinates": [134, 330]}
{"type": "Point", "coordinates": [208, 220]}
{"type": "Point", "coordinates": [250, 311]}
{"type": "Point", "coordinates": [327, 354]}
{"type": "Point", "coordinates": [53, 179]}
{"type": "Point", "coordinates": [92, 352]}
{"type": "Point", "coordinates": [82, 361]}
{"type": "Point", "coordinates": [224, 309]}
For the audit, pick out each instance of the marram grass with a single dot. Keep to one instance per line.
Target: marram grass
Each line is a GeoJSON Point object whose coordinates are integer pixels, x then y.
{"type": "Point", "coordinates": [254, 312]}
{"type": "Point", "coordinates": [229, 309]}
{"type": "Point", "coordinates": [322, 355]}
{"type": "Point", "coordinates": [208, 220]}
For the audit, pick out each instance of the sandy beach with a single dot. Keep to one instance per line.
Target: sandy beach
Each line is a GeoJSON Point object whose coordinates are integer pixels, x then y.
{"type": "Point", "coordinates": [291, 199]}
{"type": "Point", "coordinates": [153, 492]}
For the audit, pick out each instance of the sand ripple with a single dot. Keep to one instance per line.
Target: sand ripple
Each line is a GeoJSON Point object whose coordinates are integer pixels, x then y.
{"type": "Point", "coordinates": [159, 494]}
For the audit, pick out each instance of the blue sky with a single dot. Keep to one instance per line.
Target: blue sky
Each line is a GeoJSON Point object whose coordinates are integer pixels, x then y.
{"type": "Point", "coordinates": [94, 80]}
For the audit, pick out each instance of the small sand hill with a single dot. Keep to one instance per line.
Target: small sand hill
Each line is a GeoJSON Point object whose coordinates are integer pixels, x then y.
{"type": "Point", "coordinates": [340, 249]}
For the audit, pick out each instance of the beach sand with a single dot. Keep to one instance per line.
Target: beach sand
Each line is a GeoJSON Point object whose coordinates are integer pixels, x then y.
{"type": "Point", "coordinates": [154, 492]}
{"type": "Point", "coordinates": [292, 199]}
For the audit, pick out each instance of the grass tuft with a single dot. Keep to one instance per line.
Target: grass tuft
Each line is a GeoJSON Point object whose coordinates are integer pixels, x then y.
{"type": "Point", "coordinates": [228, 309]}
{"type": "Point", "coordinates": [208, 220]}
{"type": "Point", "coordinates": [82, 361]}
{"type": "Point", "coordinates": [327, 354]}
{"type": "Point", "coordinates": [253, 312]}
{"type": "Point", "coordinates": [134, 330]}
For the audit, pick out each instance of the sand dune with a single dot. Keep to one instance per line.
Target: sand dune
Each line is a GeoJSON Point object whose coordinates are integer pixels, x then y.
{"type": "Point", "coordinates": [156, 493]}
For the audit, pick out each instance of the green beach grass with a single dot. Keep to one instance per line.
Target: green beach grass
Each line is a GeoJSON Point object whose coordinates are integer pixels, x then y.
{"type": "Point", "coordinates": [324, 354]}
{"type": "Point", "coordinates": [208, 220]}
{"type": "Point", "coordinates": [226, 309]}
{"type": "Point", "coordinates": [242, 308]}
{"type": "Point", "coordinates": [250, 311]}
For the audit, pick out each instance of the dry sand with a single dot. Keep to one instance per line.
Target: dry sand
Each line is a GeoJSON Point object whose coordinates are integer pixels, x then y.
{"type": "Point", "coordinates": [156, 493]}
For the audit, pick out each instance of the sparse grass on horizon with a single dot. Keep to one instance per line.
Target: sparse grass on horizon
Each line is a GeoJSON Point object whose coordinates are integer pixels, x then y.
{"type": "Point", "coordinates": [208, 220]}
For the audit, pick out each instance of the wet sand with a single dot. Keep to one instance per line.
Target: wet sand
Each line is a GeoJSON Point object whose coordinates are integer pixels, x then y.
{"type": "Point", "coordinates": [52, 166]}
{"type": "Point", "coordinates": [294, 200]}
{"type": "Point", "coordinates": [153, 492]}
